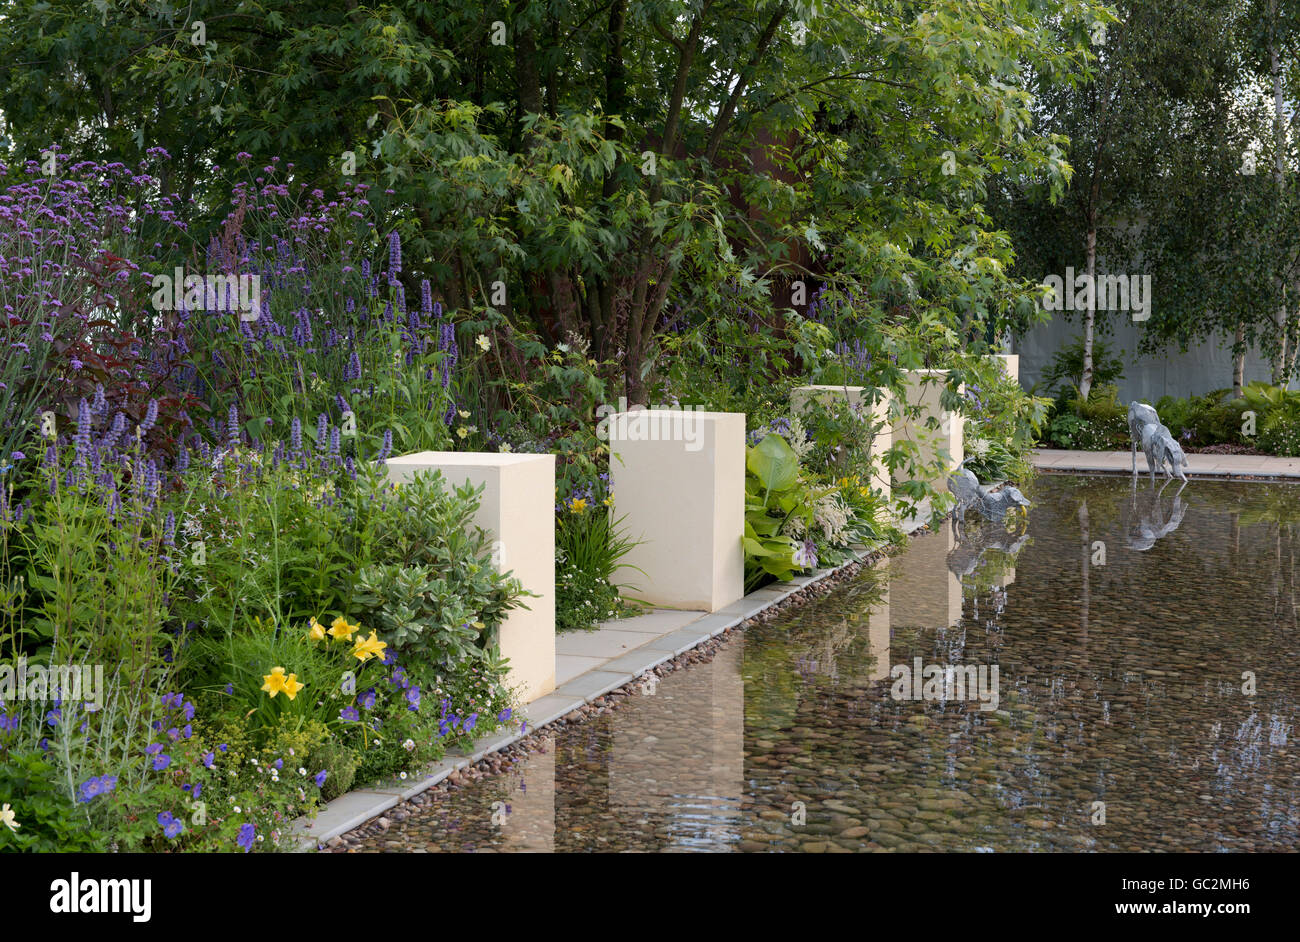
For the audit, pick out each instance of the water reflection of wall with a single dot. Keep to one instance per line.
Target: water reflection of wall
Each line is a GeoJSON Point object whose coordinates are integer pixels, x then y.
{"type": "Point", "coordinates": [530, 825]}
{"type": "Point", "coordinates": [878, 629]}
{"type": "Point", "coordinates": [923, 591]}
{"type": "Point", "coordinates": [678, 753]}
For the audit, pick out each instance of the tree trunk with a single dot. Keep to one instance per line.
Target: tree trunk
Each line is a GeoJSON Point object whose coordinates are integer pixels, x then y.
{"type": "Point", "coordinates": [600, 285]}
{"type": "Point", "coordinates": [1090, 317]}
{"type": "Point", "coordinates": [1279, 176]}
{"type": "Point", "coordinates": [642, 310]}
{"type": "Point", "coordinates": [1239, 361]}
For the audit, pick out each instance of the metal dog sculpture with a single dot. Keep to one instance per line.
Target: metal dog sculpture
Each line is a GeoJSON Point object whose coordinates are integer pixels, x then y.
{"type": "Point", "coordinates": [993, 504]}
{"type": "Point", "coordinates": [1158, 443]}
{"type": "Point", "coordinates": [1163, 452]}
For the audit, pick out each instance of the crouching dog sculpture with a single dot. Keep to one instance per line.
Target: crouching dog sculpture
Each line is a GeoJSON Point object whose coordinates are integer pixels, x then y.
{"type": "Point", "coordinates": [992, 503]}
{"type": "Point", "coordinates": [1157, 442]}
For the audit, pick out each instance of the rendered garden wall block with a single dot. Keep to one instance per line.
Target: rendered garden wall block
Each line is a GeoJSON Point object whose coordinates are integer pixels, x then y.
{"type": "Point", "coordinates": [678, 477]}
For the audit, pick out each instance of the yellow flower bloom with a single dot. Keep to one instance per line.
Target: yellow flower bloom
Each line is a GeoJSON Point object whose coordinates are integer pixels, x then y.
{"type": "Point", "coordinates": [462, 432]}
{"type": "Point", "coordinates": [578, 505]}
{"type": "Point", "coordinates": [367, 648]}
{"type": "Point", "coordinates": [7, 818]}
{"type": "Point", "coordinates": [340, 630]}
{"type": "Point", "coordinates": [317, 632]}
{"type": "Point", "coordinates": [274, 682]}
{"type": "Point", "coordinates": [292, 686]}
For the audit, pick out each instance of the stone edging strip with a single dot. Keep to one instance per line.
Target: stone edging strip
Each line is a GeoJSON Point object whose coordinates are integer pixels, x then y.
{"type": "Point", "coordinates": [354, 809]}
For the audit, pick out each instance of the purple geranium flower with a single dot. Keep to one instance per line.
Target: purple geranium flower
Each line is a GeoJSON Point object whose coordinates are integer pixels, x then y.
{"type": "Point", "coordinates": [171, 827]}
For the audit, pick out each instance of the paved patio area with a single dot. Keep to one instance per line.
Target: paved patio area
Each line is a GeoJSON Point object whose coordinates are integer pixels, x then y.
{"type": "Point", "coordinates": [1218, 466]}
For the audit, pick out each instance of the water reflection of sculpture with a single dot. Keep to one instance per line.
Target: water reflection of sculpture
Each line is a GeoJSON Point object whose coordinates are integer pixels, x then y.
{"type": "Point", "coordinates": [1153, 524]}
{"type": "Point", "coordinates": [968, 560]}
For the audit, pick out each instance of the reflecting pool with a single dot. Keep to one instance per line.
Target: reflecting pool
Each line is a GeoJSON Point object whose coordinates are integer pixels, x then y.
{"type": "Point", "coordinates": [1144, 699]}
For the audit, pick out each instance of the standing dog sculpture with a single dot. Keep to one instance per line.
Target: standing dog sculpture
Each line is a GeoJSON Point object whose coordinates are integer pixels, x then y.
{"type": "Point", "coordinates": [1157, 442]}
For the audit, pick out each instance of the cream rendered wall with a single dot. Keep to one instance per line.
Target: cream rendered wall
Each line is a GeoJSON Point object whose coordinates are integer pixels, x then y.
{"type": "Point", "coordinates": [678, 478]}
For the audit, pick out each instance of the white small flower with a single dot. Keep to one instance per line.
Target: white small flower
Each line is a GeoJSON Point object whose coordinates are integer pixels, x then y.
{"type": "Point", "coordinates": [409, 745]}
{"type": "Point", "coordinates": [483, 343]}
{"type": "Point", "coordinates": [301, 770]}
{"type": "Point", "coordinates": [402, 776]}
{"type": "Point", "coordinates": [236, 809]}
{"type": "Point", "coordinates": [8, 819]}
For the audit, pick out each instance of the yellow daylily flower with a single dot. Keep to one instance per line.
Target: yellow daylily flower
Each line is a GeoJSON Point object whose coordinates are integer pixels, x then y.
{"type": "Point", "coordinates": [292, 686]}
{"type": "Point", "coordinates": [369, 647]}
{"type": "Point", "coordinates": [8, 819]}
{"type": "Point", "coordinates": [274, 682]}
{"type": "Point", "coordinates": [340, 630]}
{"type": "Point", "coordinates": [578, 505]}
{"type": "Point", "coordinates": [317, 630]}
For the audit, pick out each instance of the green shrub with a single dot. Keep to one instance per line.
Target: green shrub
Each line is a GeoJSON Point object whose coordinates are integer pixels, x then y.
{"type": "Point", "coordinates": [1280, 432]}
{"type": "Point", "coordinates": [583, 599]}
{"type": "Point", "coordinates": [1066, 369]}
{"type": "Point", "coordinates": [339, 764]}
{"type": "Point", "coordinates": [1217, 422]}
{"type": "Point", "coordinates": [774, 492]}
{"type": "Point", "coordinates": [589, 549]}
{"type": "Point", "coordinates": [47, 820]}
{"type": "Point", "coordinates": [1178, 414]}
{"type": "Point", "coordinates": [1100, 424]}
{"type": "Point", "coordinates": [1002, 421]}
{"type": "Point", "coordinates": [1102, 406]}
{"type": "Point", "coordinates": [430, 583]}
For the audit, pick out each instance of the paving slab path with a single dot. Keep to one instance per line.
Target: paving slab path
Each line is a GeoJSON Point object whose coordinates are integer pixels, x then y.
{"type": "Point", "coordinates": [1210, 466]}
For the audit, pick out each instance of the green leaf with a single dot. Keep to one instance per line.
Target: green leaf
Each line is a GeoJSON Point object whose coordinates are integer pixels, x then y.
{"type": "Point", "coordinates": [774, 463]}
